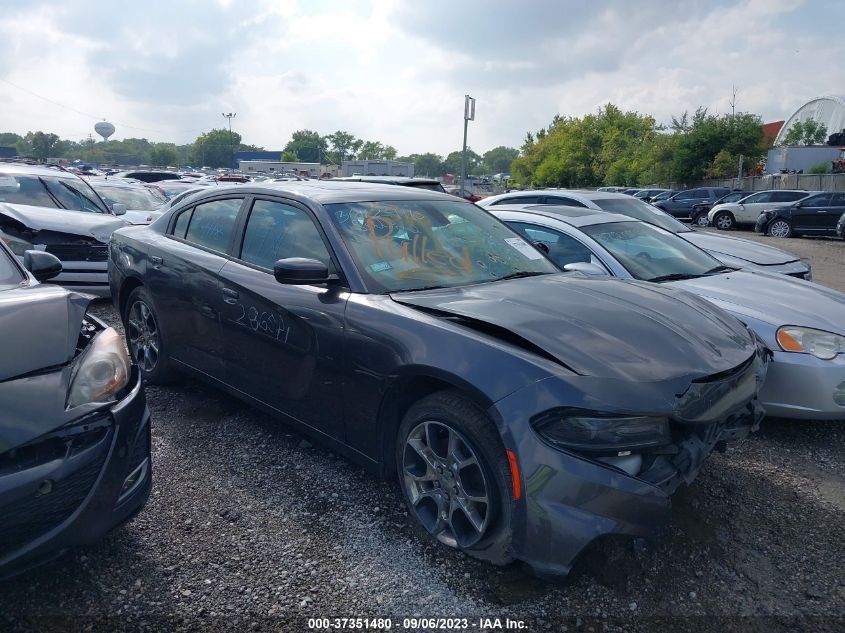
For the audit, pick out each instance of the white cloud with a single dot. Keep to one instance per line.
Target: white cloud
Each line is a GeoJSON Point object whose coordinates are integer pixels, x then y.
{"type": "Point", "coordinates": [397, 72]}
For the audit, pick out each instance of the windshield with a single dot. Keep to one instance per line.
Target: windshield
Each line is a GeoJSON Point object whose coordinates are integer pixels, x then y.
{"type": "Point", "coordinates": [137, 199]}
{"type": "Point", "coordinates": [410, 245]}
{"type": "Point", "coordinates": [639, 210]}
{"type": "Point", "coordinates": [649, 253]}
{"type": "Point", "coordinates": [10, 275]}
{"type": "Point", "coordinates": [46, 191]}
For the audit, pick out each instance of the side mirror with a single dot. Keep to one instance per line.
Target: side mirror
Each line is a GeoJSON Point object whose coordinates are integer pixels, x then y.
{"type": "Point", "coordinates": [43, 266]}
{"type": "Point", "coordinates": [587, 268]}
{"type": "Point", "coordinates": [118, 209]}
{"type": "Point", "coordinates": [798, 205]}
{"type": "Point", "coordinates": [542, 246]}
{"type": "Point", "coordinates": [301, 271]}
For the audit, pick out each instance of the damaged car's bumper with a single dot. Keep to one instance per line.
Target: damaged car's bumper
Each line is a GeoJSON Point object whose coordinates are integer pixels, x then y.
{"type": "Point", "coordinates": [70, 486]}
{"type": "Point", "coordinates": [801, 386]}
{"type": "Point", "coordinates": [570, 498]}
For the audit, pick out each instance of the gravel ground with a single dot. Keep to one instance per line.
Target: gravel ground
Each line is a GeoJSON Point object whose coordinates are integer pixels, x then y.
{"type": "Point", "coordinates": [251, 527]}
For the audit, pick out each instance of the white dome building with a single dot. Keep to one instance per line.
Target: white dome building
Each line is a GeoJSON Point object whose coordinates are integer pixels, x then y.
{"type": "Point", "coordinates": [828, 110]}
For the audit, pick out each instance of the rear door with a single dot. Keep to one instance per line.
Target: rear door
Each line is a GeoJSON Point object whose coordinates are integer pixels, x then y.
{"type": "Point", "coordinates": [284, 343]}
{"type": "Point", "coordinates": [182, 278]}
{"type": "Point", "coordinates": [835, 211]}
{"type": "Point", "coordinates": [812, 215]}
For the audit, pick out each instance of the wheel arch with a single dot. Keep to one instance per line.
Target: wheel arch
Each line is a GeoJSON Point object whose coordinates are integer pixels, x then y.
{"type": "Point", "coordinates": [129, 284]}
{"type": "Point", "coordinates": [408, 388]}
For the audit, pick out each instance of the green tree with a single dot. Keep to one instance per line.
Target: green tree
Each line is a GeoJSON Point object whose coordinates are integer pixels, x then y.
{"type": "Point", "coordinates": [163, 155]}
{"type": "Point", "coordinates": [39, 145]}
{"type": "Point", "coordinates": [343, 146]}
{"type": "Point", "coordinates": [214, 148]}
{"type": "Point", "coordinates": [389, 152]}
{"type": "Point", "coordinates": [289, 156]}
{"type": "Point", "coordinates": [452, 164]}
{"type": "Point", "coordinates": [428, 164]}
{"type": "Point", "coordinates": [308, 146]}
{"type": "Point", "coordinates": [724, 165]}
{"type": "Point", "coordinates": [370, 150]}
{"type": "Point", "coordinates": [809, 132]}
{"type": "Point", "coordinates": [10, 139]}
{"type": "Point", "coordinates": [499, 159]}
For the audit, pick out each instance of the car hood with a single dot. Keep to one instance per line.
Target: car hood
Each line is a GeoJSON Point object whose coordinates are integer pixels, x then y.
{"type": "Point", "coordinates": [41, 325]}
{"type": "Point", "coordinates": [97, 225]}
{"type": "Point", "coordinates": [771, 298]}
{"type": "Point", "coordinates": [739, 248]}
{"type": "Point", "coordinates": [599, 327]}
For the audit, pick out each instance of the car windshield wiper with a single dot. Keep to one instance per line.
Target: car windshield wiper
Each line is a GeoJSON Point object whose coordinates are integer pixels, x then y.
{"type": "Point", "coordinates": [674, 277]}
{"type": "Point", "coordinates": [522, 273]}
{"type": "Point", "coordinates": [424, 288]}
{"type": "Point", "coordinates": [719, 269]}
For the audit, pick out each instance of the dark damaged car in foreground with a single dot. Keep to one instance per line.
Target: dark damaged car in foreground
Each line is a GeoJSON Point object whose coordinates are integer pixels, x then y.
{"type": "Point", "coordinates": [524, 412]}
{"type": "Point", "coordinates": [74, 426]}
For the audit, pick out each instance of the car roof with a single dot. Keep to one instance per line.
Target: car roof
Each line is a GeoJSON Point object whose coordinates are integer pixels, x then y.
{"type": "Point", "coordinates": [574, 216]}
{"type": "Point", "coordinates": [14, 167]}
{"type": "Point", "coordinates": [399, 180]}
{"type": "Point", "coordinates": [328, 192]}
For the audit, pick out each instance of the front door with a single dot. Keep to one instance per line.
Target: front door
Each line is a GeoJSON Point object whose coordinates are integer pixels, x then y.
{"type": "Point", "coordinates": [811, 215]}
{"type": "Point", "coordinates": [284, 343]}
{"type": "Point", "coordinates": [835, 210]}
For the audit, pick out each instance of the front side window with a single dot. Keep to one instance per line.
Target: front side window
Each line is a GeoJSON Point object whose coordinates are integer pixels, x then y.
{"type": "Point", "coordinates": [817, 201]}
{"type": "Point", "coordinates": [514, 199]}
{"type": "Point", "coordinates": [211, 223]}
{"type": "Point", "coordinates": [29, 190]}
{"type": "Point", "coordinates": [763, 196]}
{"type": "Point", "coordinates": [10, 275]}
{"type": "Point", "coordinates": [692, 194]}
{"type": "Point", "coordinates": [650, 254]}
{"type": "Point", "coordinates": [277, 231]}
{"type": "Point", "coordinates": [563, 249]}
{"type": "Point", "coordinates": [639, 210]}
{"type": "Point", "coordinates": [74, 194]}
{"type": "Point", "coordinates": [565, 201]}
{"type": "Point", "coordinates": [409, 245]}
{"type": "Point", "coordinates": [837, 200]}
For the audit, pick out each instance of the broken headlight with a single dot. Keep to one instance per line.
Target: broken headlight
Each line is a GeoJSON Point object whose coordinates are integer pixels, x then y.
{"type": "Point", "coordinates": [101, 371]}
{"type": "Point", "coordinates": [821, 344]}
{"type": "Point", "coordinates": [599, 432]}
{"type": "Point", "coordinates": [16, 244]}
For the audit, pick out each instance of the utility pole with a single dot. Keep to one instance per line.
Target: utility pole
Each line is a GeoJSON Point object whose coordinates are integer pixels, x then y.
{"type": "Point", "coordinates": [733, 101]}
{"type": "Point", "coordinates": [230, 116]}
{"type": "Point", "coordinates": [469, 115]}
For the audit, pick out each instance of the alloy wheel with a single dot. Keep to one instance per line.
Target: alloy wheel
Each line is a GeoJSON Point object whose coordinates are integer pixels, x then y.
{"type": "Point", "coordinates": [701, 220]}
{"type": "Point", "coordinates": [724, 222]}
{"type": "Point", "coordinates": [779, 228]}
{"type": "Point", "coordinates": [142, 332]}
{"type": "Point", "coordinates": [446, 484]}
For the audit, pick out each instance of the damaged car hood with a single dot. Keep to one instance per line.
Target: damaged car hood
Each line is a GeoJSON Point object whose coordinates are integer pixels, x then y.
{"type": "Point", "coordinates": [40, 326]}
{"type": "Point", "coordinates": [599, 327]}
{"type": "Point", "coordinates": [98, 225]}
{"type": "Point", "coordinates": [739, 248]}
{"type": "Point", "coordinates": [771, 298]}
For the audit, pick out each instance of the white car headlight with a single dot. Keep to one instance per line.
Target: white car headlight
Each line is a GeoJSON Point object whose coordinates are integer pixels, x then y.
{"type": "Point", "coordinates": [101, 371]}
{"type": "Point", "coordinates": [16, 244]}
{"type": "Point", "coordinates": [821, 344]}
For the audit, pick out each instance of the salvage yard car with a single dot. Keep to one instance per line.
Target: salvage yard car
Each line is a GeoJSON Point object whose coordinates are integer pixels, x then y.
{"type": "Point", "coordinates": [729, 215]}
{"type": "Point", "coordinates": [818, 214]}
{"type": "Point", "coordinates": [730, 250]}
{"type": "Point", "coordinates": [525, 412]}
{"type": "Point", "coordinates": [803, 323]}
{"type": "Point", "coordinates": [47, 208]}
{"type": "Point", "coordinates": [139, 203]}
{"type": "Point", "coordinates": [74, 429]}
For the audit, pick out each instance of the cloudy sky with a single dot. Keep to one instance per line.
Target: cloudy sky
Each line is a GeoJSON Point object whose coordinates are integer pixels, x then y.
{"type": "Point", "coordinates": [397, 71]}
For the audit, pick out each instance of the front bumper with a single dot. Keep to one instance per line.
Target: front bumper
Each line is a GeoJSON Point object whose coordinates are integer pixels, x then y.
{"type": "Point", "coordinates": [802, 386]}
{"type": "Point", "coordinates": [71, 486]}
{"type": "Point", "coordinates": [571, 499]}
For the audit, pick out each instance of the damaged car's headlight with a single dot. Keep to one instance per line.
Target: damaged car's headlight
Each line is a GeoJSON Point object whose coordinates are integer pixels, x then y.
{"type": "Point", "coordinates": [598, 432]}
{"type": "Point", "coordinates": [101, 371]}
{"type": "Point", "coordinates": [16, 244]}
{"type": "Point", "coordinates": [821, 344]}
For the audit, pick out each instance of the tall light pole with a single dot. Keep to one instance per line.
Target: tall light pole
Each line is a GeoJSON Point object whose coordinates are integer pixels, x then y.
{"type": "Point", "coordinates": [230, 116]}
{"type": "Point", "coordinates": [469, 115]}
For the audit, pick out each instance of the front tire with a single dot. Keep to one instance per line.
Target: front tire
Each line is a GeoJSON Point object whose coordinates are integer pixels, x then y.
{"type": "Point", "coordinates": [454, 475]}
{"type": "Point", "coordinates": [144, 339]}
{"type": "Point", "coordinates": [700, 219]}
{"type": "Point", "coordinates": [780, 228]}
{"type": "Point", "coordinates": [724, 221]}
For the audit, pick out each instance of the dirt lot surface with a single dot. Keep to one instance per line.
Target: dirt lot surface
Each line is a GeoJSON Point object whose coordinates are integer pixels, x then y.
{"type": "Point", "coordinates": [251, 527]}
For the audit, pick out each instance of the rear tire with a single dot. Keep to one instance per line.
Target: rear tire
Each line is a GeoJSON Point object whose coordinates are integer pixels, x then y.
{"type": "Point", "coordinates": [438, 434]}
{"type": "Point", "coordinates": [724, 221]}
{"type": "Point", "coordinates": [780, 228]}
{"type": "Point", "coordinates": [144, 339]}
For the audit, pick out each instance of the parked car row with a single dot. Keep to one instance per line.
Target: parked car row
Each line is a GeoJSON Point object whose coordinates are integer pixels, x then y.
{"type": "Point", "coordinates": [596, 343]}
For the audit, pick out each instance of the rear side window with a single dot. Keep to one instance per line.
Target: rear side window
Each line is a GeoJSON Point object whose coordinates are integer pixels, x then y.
{"type": "Point", "coordinates": [788, 196]}
{"type": "Point", "coordinates": [182, 221]}
{"type": "Point", "coordinates": [563, 249]}
{"type": "Point", "coordinates": [567, 201]}
{"type": "Point", "coordinates": [277, 231]}
{"type": "Point", "coordinates": [211, 224]}
{"type": "Point", "coordinates": [518, 200]}
{"type": "Point", "coordinates": [838, 200]}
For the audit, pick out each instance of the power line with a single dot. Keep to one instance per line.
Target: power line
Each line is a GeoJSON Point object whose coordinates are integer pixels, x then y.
{"type": "Point", "coordinates": [88, 114]}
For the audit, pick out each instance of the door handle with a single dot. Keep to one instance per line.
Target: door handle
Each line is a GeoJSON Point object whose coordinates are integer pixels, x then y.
{"type": "Point", "coordinates": [156, 261]}
{"type": "Point", "coordinates": [230, 296]}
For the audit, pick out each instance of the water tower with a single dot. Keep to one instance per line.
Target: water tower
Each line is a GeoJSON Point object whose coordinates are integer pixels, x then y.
{"type": "Point", "coordinates": [104, 129]}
